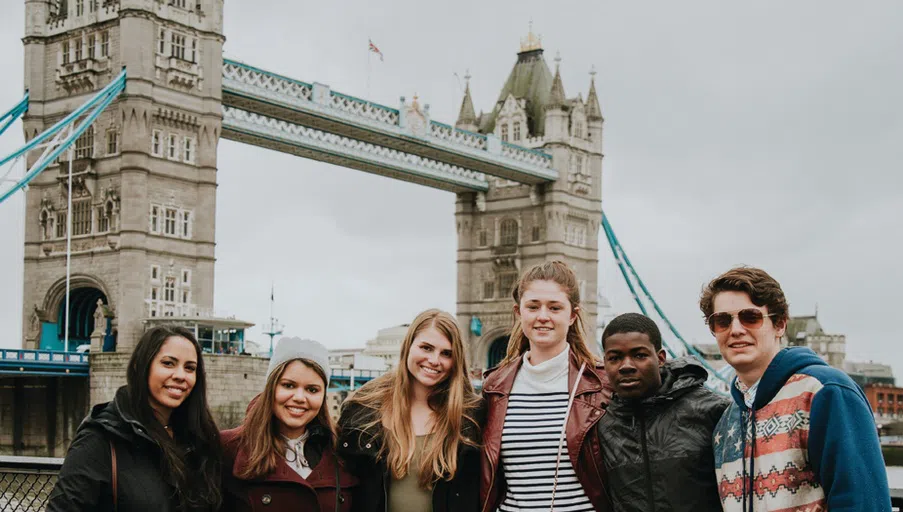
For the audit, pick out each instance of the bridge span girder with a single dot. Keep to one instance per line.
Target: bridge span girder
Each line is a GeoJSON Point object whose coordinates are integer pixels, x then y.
{"type": "Point", "coordinates": [408, 129]}
{"type": "Point", "coordinates": [280, 135]}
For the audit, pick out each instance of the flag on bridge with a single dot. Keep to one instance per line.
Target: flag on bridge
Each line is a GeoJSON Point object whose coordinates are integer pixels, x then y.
{"type": "Point", "coordinates": [375, 50]}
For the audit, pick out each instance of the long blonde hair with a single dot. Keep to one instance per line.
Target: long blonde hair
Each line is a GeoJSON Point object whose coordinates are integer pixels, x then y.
{"type": "Point", "coordinates": [558, 272]}
{"type": "Point", "coordinates": [259, 435]}
{"type": "Point", "coordinates": [452, 400]}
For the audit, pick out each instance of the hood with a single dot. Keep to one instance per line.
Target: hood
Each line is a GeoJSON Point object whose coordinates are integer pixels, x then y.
{"type": "Point", "coordinates": [679, 376]}
{"type": "Point", "coordinates": [786, 363]}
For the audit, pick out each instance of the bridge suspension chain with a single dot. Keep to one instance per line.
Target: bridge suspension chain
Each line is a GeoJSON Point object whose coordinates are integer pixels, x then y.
{"type": "Point", "coordinates": [627, 270]}
{"type": "Point", "coordinates": [61, 135]}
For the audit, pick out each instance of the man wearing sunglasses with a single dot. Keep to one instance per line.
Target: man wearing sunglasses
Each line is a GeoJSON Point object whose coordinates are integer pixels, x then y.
{"type": "Point", "coordinates": [657, 431]}
{"type": "Point", "coordinates": [799, 434]}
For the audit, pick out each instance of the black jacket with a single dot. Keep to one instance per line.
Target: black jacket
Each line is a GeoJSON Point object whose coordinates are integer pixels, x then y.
{"type": "Point", "coordinates": [658, 450]}
{"type": "Point", "coordinates": [85, 480]}
{"type": "Point", "coordinates": [360, 450]}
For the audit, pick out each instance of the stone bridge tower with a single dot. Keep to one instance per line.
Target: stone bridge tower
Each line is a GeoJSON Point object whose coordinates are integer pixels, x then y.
{"type": "Point", "coordinates": [512, 227]}
{"type": "Point", "coordinates": [144, 187]}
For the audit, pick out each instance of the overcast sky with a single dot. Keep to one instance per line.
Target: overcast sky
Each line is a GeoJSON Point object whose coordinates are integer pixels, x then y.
{"type": "Point", "coordinates": [767, 133]}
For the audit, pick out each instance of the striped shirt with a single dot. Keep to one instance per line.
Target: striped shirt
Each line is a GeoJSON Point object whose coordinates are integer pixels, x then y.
{"type": "Point", "coordinates": [536, 413]}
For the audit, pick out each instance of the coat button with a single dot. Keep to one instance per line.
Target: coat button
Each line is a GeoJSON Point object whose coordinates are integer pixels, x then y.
{"type": "Point", "coordinates": [345, 445]}
{"type": "Point", "coordinates": [266, 499]}
{"type": "Point", "coordinates": [368, 445]}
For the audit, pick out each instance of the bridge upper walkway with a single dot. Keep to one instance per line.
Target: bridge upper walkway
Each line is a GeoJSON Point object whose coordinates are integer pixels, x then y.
{"type": "Point", "coordinates": [311, 120]}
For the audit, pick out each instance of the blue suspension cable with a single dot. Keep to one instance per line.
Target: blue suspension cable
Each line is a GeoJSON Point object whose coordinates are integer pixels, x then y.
{"type": "Point", "coordinates": [613, 240]}
{"type": "Point", "coordinates": [13, 114]}
{"type": "Point", "coordinates": [618, 253]}
{"type": "Point", "coordinates": [100, 102]}
{"type": "Point", "coordinates": [113, 88]}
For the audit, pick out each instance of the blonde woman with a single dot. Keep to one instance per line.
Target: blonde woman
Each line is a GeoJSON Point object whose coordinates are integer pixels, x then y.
{"type": "Point", "coordinates": [282, 457]}
{"type": "Point", "coordinates": [411, 436]}
{"type": "Point", "coordinates": [541, 450]}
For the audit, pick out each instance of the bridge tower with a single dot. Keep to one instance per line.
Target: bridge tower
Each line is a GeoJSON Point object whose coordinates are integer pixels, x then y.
{"type": "Point", "coordinates": [144, 181]}
{"type": "Point", "coordinates": [512, 226]}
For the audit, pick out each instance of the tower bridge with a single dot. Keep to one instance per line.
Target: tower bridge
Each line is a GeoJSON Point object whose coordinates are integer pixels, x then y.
{"type": "Point", "coordinates": [526, 178]}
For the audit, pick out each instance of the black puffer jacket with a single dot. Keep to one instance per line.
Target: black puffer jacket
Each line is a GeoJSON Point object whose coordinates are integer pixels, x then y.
{"type": "Point", "coordinates": [360, 450]}
{"type": "Point", "coordinates": [658, 450]}
{"type": "Point", "coordinates": [85, 480]}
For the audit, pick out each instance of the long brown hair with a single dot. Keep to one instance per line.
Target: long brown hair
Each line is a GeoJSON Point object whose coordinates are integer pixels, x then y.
{"type": "Point", "coordinates": [558, 272]}
{"type": "Point", "coordinates": [453, 401]}
{"type": "Point", "coordinates": [259, 435]}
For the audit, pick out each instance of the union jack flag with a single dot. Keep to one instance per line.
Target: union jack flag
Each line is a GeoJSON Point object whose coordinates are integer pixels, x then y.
{"type": "Point", "coordinates": [375, 50]}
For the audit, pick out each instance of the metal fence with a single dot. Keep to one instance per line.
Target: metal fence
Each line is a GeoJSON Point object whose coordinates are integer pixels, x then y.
{"type": "Point", "coordinates": [26, 482]}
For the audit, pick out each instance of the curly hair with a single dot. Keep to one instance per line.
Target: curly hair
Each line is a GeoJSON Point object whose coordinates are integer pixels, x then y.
{"type": "Point", "coordinates": [634, 322]}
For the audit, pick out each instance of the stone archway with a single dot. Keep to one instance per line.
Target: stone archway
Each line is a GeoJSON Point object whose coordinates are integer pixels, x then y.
{"type": "Point", "coordinates": [497, 351]}
{"type": "Point", "coordinates": [85, 293]}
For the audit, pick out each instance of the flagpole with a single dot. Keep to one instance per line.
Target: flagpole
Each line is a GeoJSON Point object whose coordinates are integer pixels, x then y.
{"type": "Point", "coordinates": [369, 42]}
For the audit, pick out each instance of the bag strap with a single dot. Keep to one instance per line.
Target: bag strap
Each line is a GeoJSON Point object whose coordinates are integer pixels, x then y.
{"type": "Point", "coordinates": [115, 477]}
{"type": "Point", "coordinates": [338, 487]}
{"type": "Point", "coordinates": [564, 427]}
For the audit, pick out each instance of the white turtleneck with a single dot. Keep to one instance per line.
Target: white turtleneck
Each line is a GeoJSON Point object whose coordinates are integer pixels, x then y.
{"type": "Point", "coordinates": [533, 423]}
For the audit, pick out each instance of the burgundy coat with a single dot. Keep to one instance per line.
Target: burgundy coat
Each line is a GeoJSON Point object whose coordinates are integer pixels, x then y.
{"type": "Point", "coordinates": [592, 398]}
{"type": "Point", "coordinates": [284, 490]}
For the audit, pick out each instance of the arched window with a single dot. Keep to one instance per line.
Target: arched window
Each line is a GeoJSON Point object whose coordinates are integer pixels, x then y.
{"type": "Point", "coordinates": [517, 130]}
{"type": "Point", "coordinates": [504, 131]}
{"type": "Point", "coordinates": [508, 232]}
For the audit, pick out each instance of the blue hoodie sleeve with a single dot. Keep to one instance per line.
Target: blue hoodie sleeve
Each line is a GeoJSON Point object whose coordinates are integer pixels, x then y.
{"type": "Point", "coordinates": [845, 452]}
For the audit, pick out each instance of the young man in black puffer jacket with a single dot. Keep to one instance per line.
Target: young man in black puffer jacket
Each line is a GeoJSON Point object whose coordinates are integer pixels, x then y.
{"type": "Point", "coordinates": [657, 433]}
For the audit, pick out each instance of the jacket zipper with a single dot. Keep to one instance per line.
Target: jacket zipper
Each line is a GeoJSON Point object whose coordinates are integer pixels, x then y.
{"type": "Point", "coordinates": [646, 464]}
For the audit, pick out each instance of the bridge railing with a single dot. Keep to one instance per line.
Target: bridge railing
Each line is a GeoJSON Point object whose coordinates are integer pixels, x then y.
{"type": "Point", "coordinates": [26, 482]}
{"type": "Point", "coordinates": [49, 357]}
{"type": "Point", "coordinates": [248, 79]}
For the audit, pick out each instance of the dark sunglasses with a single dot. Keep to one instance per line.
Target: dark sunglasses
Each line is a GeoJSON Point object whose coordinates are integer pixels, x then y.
{"type": "Point", "coordinates": [750, 318]}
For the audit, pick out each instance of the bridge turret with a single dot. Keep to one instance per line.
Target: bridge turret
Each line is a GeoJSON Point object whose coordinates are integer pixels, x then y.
{"type": "Point", "coordinates": [467, 119]}
{"type": "Point", "coordinates": [513, 226]}
{"type": "Point", "coordinates": [557, 119]}
{"type": "Point", "coordinates": [594, 114]}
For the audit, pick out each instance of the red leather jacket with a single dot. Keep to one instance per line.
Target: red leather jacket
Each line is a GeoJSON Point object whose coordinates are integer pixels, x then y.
{"type": "Point", "coordinates": [584, 449]}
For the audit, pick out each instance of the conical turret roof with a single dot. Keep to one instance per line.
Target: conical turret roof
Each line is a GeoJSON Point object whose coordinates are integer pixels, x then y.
{"type": "Point", "coordinates": [530, 79]}
{"type": "Point", "coordinates": [467, 114]}
{"type": "Point", "coordinates": [593, 112]}
{"type": "Point", "coordinates": [557, 99]}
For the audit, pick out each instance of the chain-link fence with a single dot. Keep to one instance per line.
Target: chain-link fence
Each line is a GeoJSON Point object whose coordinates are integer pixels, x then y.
{"type": "Point", "coordinates": [26, 482]}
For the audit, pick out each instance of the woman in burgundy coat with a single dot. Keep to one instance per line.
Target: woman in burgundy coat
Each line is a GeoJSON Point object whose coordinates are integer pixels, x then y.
{"type": "Point", "coordinates": [283, 455]}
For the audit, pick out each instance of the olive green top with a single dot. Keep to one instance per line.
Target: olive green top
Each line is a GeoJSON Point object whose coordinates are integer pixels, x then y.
{"type": "Point", "coordinates": [405, 495]}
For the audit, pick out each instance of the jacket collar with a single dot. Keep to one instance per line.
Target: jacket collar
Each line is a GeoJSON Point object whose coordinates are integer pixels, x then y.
{"type": "Point", "coordinates": [501, 380]}
{"type": "Point", "coordinates": [284, 473]}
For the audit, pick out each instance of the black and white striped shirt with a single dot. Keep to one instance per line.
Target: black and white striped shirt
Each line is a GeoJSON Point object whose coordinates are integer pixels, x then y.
{"type": "Point", "coordinates": [533, 423]}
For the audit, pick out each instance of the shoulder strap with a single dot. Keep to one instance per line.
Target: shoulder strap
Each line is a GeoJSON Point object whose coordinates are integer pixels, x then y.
{"type": "Point", "coordinates": [115, 477]}
{"type": "Point", "coordinates": [564, 427]}
{"type": "Point", "coordinates": [338, 487]}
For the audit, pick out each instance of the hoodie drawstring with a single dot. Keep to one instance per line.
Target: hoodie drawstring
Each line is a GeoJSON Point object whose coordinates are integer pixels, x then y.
{"type": "Point", "coordinates": [749, 479]}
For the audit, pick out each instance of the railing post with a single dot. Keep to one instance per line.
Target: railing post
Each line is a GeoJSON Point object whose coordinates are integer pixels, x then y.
{"type": "Point", "coordinates": [321, 94]}
{"type": "Point", "coordinates": [493, 144]}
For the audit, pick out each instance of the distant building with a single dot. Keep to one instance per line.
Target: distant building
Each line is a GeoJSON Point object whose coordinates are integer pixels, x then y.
{"type": "Point", "coordinates": [355, 359]}
{"type": "Point", "coordinates": [886, 402]}
{"type": "Point", "coordinates": [387, 344]}
{"type": "Point", "coordinates": [870, 373]}
{"type": "Point", "coordinates": [806, 331]}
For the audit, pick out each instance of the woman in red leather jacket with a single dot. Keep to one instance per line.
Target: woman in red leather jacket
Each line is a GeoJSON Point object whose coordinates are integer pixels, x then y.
{"type": "Point", "coordinates": [540, 445]}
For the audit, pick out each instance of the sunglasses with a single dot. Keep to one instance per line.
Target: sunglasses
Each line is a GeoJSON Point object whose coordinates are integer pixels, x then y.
{"type": "Point", "coordinates": [750, 318]}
